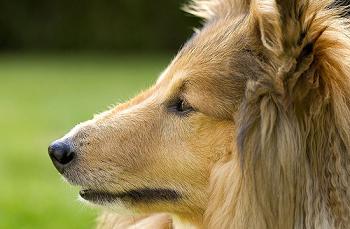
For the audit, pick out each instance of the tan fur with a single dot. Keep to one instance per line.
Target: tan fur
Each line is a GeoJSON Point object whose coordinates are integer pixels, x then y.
{"type": "Point", "coordinates": [110, 220]}
{"type": "Point", "coordinates": [268, 143]}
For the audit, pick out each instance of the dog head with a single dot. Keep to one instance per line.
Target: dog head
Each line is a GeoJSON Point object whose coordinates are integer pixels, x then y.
{"type": "Point", "coordinates": [230, 112]}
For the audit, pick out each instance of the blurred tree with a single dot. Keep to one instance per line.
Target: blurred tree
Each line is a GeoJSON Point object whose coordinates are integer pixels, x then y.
{"type": "Point", "coordinates": [114, 25]}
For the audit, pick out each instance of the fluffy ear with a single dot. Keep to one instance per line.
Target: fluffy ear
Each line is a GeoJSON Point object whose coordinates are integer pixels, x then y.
{"type": "Point", "coordinates": [283, 24]}
{"type": "Point", "coordinates": [211, 9]}
{"type": "Point", "coordinates": [269, 21]}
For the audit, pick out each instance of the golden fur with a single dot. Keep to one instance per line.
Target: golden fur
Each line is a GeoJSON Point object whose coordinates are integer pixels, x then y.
{"type": "Point", "coordinates": [267, 144]}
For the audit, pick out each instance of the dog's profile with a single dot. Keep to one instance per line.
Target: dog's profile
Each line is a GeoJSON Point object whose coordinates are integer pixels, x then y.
{"type": "Point", "coordinates": [248, 127]}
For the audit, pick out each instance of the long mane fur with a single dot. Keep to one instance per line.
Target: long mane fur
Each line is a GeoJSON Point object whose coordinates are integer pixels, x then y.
{"type": "Point", "coordinates": [293, 127]}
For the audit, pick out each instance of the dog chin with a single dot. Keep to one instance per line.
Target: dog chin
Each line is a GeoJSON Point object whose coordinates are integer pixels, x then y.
{"type": "Point", "coordinates": [117, 206]}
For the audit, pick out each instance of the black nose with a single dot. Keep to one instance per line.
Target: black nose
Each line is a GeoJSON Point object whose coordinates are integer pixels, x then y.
{"type": "Point", "coordinates": [61, 155]}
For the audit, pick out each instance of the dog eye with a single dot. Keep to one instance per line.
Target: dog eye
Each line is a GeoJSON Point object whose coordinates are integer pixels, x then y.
{"type": "Point", "coordinates": [181, 107]}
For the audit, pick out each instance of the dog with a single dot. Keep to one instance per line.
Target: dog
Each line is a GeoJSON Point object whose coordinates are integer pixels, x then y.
{"type": "Point", "coordinates": [248, 127]}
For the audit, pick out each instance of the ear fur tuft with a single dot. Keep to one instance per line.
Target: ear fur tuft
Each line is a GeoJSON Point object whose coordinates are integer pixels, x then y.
{"type": "Point", "coordinates": [284, 25]}
{"type": "Point", "coordinates": [268, 16]}
{"type": "Point", "coordinates": [213, 9]}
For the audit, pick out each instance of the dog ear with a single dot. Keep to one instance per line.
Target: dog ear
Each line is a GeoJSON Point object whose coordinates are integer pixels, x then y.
{"type": "Point", "coordinates": [283, 24]}
{"type": "Point", "coordinates": [290, 30]}
{"type": "Point", "coordinates": [268, 16]}
{"type": "Point", "coordinates": [211, 9]}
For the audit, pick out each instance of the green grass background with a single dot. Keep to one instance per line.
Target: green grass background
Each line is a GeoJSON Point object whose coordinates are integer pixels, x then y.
{"type": "Point", "coordinates": [41, 98]}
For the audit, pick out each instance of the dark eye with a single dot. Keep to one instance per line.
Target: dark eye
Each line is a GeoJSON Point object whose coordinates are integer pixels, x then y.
{"type": "Point", "coordinates": [181, 107]}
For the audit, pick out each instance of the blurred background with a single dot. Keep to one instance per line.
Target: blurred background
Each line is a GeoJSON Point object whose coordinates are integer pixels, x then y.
{"type": "Point", "coordinates": [61, 61]}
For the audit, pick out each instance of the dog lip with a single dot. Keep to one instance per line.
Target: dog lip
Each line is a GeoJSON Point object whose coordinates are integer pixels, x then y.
{"type": "Point", "coordinates": [136, 195]}
{"type": "Point", "coordinates": [97, 196]}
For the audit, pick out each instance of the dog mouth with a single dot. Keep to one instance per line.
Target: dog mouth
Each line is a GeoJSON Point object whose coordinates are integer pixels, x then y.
{"type": "Point", "coordinates": [135, 195]}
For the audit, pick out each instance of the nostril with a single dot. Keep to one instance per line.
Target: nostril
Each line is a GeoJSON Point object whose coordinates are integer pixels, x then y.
{"type": "Point", "coordinates": [61, 154]}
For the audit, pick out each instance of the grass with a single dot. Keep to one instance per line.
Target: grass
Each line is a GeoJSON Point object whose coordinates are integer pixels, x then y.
{"type": "Point", "coordinates": [41, 98]}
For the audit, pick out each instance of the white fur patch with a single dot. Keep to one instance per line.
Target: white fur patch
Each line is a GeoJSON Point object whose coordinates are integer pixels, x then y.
{"type": "Point", "coordinates": [116, 206]}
